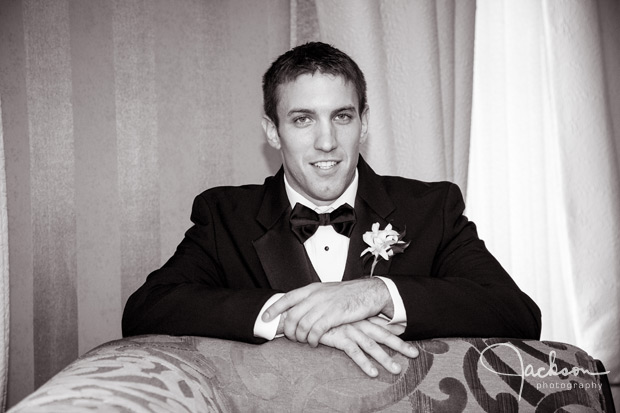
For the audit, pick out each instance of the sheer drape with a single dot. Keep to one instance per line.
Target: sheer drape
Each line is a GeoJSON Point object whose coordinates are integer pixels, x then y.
{"type": "Point", "coordinates": [417, 57]}
{"type": "Point", "coordinates": [4, 275]}
{"type": "Point", "coordinates": [543, 184]}
{"type": "Point", "coordinates": [543, 177]}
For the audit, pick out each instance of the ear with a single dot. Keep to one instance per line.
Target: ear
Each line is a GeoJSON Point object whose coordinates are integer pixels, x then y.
{"type": "Point", "coordinates": [364, 119]}
{"type": "Point", "coordinates": [271, 131]}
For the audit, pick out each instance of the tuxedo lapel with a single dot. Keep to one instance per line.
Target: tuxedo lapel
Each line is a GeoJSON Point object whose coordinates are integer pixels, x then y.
{"type": "Point", "coordinates": [365, 217]}
{"type": "Point", "coordinates": [372, 204]}
{"type": "Point", "coordinates": [283, 258]}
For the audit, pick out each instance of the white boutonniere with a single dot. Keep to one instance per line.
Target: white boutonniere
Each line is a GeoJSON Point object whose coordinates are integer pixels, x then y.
{"type": "Point", "coordinates": [383, 243]}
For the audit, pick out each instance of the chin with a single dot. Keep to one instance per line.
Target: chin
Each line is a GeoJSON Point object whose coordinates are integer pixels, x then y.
{"type": "Point", "coordinates": [329, 196]}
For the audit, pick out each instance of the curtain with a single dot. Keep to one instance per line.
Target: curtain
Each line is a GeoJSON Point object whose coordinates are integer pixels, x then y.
{"type": "Point", "coordinates": [541, 170]}
{"type": "Point", "coordinates": [417, 57]}
{"type": "Point", "coordinates": [115, 114]}
{"type": "Point", "coordinates": [543, 181]}
{"type": "Point", "coordinates": [4, 276]}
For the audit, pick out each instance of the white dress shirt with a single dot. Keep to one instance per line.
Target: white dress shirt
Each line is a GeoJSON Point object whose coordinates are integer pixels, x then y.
{"type": "Point", "coordinates": [327, 251]}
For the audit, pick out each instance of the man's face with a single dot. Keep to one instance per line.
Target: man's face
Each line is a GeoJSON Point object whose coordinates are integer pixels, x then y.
{"type": "Point", "coordinates": [319, 135]}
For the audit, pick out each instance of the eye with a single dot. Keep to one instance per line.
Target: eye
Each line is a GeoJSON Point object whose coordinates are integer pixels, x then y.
{"type": "Point", "coordinates": [302, 121]}
{"type": "Point", "coordinates": [343, 118]}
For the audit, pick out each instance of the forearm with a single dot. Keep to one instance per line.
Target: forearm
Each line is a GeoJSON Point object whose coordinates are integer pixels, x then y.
{"type": "Point", "coordinates": [319, 307]}
{"type": "Point", "coordinates": [458, 307]}
{"type": "Point", "coordinates": [194, 309]}
{"type": "Point", "coordinates": [465, 292]}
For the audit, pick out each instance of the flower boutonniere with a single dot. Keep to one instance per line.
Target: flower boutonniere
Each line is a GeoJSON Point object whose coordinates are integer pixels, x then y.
{"type": "Point", "coordinates": [383, 243]}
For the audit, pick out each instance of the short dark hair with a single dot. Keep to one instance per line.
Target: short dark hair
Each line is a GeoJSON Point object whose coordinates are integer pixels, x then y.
{"type": "Point", "coordinates": [310, 58]}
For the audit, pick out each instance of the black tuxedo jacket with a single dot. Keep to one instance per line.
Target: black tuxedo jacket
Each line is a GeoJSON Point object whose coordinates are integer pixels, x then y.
{"type": "Point", "coordinates": [241, 251]}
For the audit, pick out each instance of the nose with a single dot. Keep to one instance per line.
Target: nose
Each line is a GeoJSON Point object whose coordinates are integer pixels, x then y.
{"type": "Point", "coordinates": [326, 139]}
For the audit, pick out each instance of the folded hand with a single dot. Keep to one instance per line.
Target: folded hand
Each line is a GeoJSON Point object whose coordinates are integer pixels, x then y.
{"type": "Point", "coordinates": [310, 311]}
{"type": "Point", "coordinates": [363, 338]}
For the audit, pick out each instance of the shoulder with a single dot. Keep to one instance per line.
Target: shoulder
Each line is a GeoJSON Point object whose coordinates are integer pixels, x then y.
{"type": "Point", "coordinates": [399, 187]}
{"type": "Point", "coordinates": [230, 194]}
{"type": "Point", "coordinates": [426, 198]}
{"type": "Point", "coordinates": [242, 200]}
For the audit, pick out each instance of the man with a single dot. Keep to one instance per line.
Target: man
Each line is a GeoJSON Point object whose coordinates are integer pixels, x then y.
{"type": "Point", "coordinates": [268, 260]}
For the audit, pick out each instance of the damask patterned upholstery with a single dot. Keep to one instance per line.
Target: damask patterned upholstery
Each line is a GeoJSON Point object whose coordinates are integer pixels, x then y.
{"type": "Point", "coordinates": [194, 374]}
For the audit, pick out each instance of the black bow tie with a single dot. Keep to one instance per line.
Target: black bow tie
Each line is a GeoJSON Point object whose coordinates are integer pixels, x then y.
{"type": "Point", "coordinates": [305, 222]}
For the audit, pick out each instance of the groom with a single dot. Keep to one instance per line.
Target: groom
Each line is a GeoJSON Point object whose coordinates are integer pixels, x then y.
{"type": "Point", "coordinates": [284, 258]}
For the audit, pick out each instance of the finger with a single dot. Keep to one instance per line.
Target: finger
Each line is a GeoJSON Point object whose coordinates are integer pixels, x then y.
{"type": "Point", "coordinates": [317, 322]}
{"type": "Point", "coordinates": [280, 306]}
{"type": "Point", "coordinates": [396, 329]}
{"type": "Point", "coordinates": [311, 323]}
{"type": "Point", "coordinates": [294, 329]}
{"type": "Point", "coordinates": [319, 327]}
{"type": "Point", "coordinates": [280, 329]}
{"type": "Point", "coordinates": [378, 320]}
{"type": "Point", "coordinates": [374, 350]}
{"type": "Point", "coordinates": [306, 316]}
{"type": "Point", "coordinates": [290, 326]}
{"type": "Point", "coordinates": [304, 326]}
{"type": "Point", "coordinates": [340, 338]}
{"type": "Point", "coordinates": [356, 354]}
{"type": "Point", "coordinates": [285, 302]}
{"type": "Point", "coordinates": [326, 319]}
{"type": "Point", "coordinates": [387, 338]}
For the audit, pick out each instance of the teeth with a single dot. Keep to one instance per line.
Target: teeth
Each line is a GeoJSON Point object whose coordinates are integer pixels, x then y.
{"type": "Point", "coordinates": [325, 164]}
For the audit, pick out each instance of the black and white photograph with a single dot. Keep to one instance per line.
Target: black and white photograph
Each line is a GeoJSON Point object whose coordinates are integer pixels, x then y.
{"type": "Point", "coordinates": [309, 206]}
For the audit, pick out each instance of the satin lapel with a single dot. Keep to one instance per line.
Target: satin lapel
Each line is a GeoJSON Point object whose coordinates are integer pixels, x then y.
{"type": "Point", "coordinates": [283, 258]}
{"type": "Point", "coordinates": [372, 204]}
{"type": "Point", "coordinates": [365, 217]}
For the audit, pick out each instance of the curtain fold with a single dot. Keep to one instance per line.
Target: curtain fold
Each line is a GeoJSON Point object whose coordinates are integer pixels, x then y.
{"type": "Point", "coordinates": [52, 184]}
{"type": "Point", "coordinates": [418, 61]}
{"type": "Point", "coordinates": [115, 115]}
{"type": "Point", "coordinates": [540, 171]}
{"type": "Point", "coordinates": [4, 275]}
{"type": "Point", "coordinates": [580, 109]}
{"type": "Point", "coordinates": [543, 181]}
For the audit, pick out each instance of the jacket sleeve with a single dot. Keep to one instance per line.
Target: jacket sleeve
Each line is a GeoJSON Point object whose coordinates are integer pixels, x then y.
{"type": "Point", "coordinates": [468, 293]}
{"type": "Point", "coordinates": [190, 295]}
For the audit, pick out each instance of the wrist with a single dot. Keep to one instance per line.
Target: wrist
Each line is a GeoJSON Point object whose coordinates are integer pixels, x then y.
{"type": "Point", "coordinates": [385, 298]}
{"type": "Point", "coordinates": [388, 309]}
{"type": "Point", "coordinates": [280, 329]}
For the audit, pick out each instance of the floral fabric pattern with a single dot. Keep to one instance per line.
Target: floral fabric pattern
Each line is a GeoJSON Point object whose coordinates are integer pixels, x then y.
{"type": "Point", "coordinates": [194, 374]}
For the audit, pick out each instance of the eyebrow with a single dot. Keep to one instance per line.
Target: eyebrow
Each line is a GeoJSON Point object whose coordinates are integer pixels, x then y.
{"type": "Point", "coordinates": [348, 108]}
{"type": "Point", "coordinates": [296, 111]}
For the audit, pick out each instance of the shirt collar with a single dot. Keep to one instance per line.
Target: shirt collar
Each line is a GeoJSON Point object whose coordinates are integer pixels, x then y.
{"type": "Point", "coordinates": [347, 197]}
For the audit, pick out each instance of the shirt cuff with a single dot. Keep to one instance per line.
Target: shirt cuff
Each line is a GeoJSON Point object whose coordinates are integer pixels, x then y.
{"type": "Point", "coordinates": [267, 330]}
{"type": "Point", "coordinates": [400, 314]}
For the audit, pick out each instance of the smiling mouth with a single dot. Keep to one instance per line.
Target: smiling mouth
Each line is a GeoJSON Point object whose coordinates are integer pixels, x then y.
{"type": "Point", "coordinates": [325, 164]}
